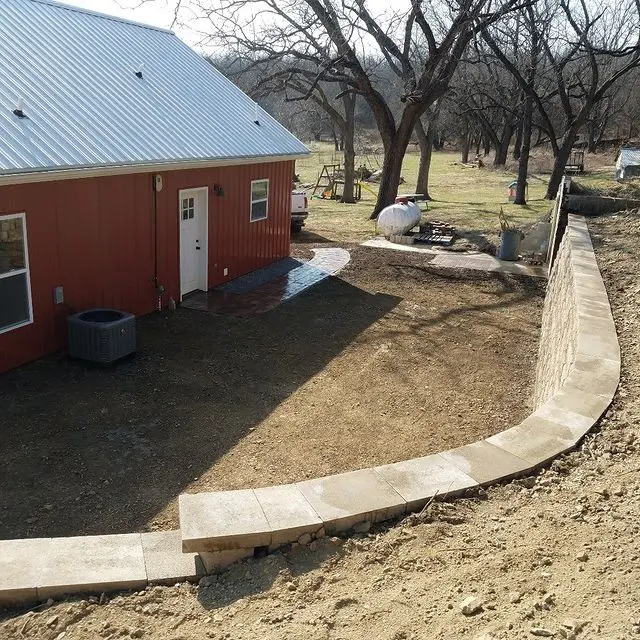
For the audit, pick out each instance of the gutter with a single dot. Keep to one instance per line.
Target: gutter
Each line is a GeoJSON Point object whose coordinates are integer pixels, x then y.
{"type": "Point", "coordinates": [52, 175]}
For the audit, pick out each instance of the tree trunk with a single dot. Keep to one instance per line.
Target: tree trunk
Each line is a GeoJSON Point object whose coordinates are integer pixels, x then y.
{"type": "Point", "coordinates": [502, 150]}
{"type": "Point", "coordinates": [348, 195]}
{"type": "Point", "coordinates": [599, 139]}
{"type": "Point", "coordinates": [559, 164]}
{"type": "Point", "coordinates": [465, 142]}
{"type": "Point", "coordinates": [523, 164]}
{"type": "Point", "coordinates": [486, 144]}
{"type": "Point", "coordinates": [438, 139]}
{"type": "Point", "coordinates": [564, 150]}
{"type": "Point", "coordinates": [517, 147]}
{"type": "Point", "coordinates": [348, 135]}
{"type": "Point", "coordinates": [395, 146]}
{"type": "Point", "coordinates": [591, 145]}
{"type": "Point", "coordinates": [391, 169]}
{"type": "Point", "coordinates": [425, 139]}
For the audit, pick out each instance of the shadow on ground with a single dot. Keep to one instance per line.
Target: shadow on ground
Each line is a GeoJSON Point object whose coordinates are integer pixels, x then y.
{"type": "Point", "coordinates": [354, 372]}
{"type": "Point", "coordinates": [98, 451]}
{"type": "Point", "coordinates": [309, 237]}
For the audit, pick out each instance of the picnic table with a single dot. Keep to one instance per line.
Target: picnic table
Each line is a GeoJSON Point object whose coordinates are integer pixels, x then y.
{"type": "Point", "coordinates": [413, 197]}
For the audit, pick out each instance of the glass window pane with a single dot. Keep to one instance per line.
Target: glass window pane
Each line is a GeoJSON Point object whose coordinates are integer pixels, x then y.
{"type": "Point", "coordinates": [259, 190]}
{"type": "Point", "coordinates": [14, 300]}
{"type": "Point", "coordinates": [11, 245]}
{"type": "Point", "coordinates": [259, 210]}
{"type": "Point", "coordinates": [185, 214]}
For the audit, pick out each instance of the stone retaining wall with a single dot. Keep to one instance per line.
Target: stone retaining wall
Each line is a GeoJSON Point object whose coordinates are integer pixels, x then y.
{"type": "Point", "coordinates": [558, 333]}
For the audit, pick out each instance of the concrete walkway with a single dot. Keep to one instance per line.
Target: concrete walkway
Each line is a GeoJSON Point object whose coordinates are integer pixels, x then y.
{"type": "Point", "coordinates": [458, 260]}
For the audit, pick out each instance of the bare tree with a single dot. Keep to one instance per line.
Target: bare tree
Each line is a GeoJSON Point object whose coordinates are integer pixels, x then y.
{"type": "Point", "coordinates": [297, 84]}
{"type": "Point", "coordinates": [583, 56]}
{"type": "Point", "coordinates": [532, 29]}
{"type": "Point", "coordinates": [490, 98]}
{"type": "Point", "coordinates": [347, 44]}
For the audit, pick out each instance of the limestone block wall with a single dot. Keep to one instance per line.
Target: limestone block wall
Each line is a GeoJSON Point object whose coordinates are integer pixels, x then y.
{"type": "Point", "coordinates": [558, 333]}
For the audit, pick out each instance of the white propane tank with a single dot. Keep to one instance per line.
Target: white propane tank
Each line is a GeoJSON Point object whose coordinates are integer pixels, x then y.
{"type": "Point", "coordinates": [398, 218]}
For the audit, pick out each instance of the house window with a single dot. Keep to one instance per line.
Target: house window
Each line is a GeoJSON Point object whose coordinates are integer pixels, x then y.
{"type": "Point", "coordinates": [15, 284]}
{"type": "Point", "coordinates": [188, 208]}
{"type": "Point", "coordinates": [259, 199]}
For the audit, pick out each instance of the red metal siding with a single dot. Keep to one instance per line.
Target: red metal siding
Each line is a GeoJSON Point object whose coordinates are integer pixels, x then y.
{"type": "Point", "coordinates": [96, 238]}
{"type": "Point", "coordinates": [235, 242]}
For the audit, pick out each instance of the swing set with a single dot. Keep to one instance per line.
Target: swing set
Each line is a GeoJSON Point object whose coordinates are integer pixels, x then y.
{"type": "Point", "coordinates": [331, 184]}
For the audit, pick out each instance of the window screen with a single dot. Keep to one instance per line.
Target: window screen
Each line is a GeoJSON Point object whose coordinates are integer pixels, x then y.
{"type": "Point", "coordinates": [15, 294]}
{"type": "Point", "coordinates": [259, 199]}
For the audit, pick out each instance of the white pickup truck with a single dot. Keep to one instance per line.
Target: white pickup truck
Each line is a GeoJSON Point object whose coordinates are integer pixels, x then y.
{"type": "Point", "coordinates": [299, 210]}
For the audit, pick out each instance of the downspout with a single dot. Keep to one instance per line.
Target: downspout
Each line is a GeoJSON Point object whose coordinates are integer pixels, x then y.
{"type": "Point", "coordinates": [156, 186]}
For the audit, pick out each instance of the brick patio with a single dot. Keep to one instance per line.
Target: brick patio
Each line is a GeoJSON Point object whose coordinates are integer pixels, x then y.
{"type": "Point", "coordinates": [266, 288]}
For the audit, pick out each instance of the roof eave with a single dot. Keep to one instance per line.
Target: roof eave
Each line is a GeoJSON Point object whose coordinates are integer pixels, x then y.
{"type": "Point", "coordinates": [96, 171]}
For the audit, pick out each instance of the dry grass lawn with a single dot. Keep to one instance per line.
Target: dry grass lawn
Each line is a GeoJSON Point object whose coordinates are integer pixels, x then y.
{"type": "Point", "coordinates": [469, 199]}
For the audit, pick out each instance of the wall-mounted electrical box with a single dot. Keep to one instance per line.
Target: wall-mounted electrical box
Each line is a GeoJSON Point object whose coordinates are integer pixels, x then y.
{"type": "Point", "coordinates": [58, 295]}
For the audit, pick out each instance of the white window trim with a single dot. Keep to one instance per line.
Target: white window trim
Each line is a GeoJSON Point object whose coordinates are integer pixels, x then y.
{"type": "Point", "coordinates": [266, 211]}
{"type": "Point", "coordinates": [16, 272]}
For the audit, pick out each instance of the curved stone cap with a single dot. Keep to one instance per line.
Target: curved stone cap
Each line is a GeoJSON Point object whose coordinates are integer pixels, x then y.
{"type": "Point", "coordinates": [222, 527]}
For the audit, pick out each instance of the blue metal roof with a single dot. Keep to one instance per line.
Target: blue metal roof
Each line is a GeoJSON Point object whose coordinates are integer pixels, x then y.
{"type": "Point", "coordinates": [85, 107]}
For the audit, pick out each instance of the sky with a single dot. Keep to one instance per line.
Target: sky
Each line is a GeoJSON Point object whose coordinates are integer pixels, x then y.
{"type": "Point", "coordinates": [158, 13]}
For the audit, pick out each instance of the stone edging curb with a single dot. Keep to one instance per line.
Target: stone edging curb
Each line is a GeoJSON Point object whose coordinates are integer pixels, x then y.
{"type": "Point", "coordinates": [220, 528]}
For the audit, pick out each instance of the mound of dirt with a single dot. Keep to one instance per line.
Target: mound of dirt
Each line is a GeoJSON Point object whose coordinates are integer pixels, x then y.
{"type": "Point", "coordinates": [357, 371]}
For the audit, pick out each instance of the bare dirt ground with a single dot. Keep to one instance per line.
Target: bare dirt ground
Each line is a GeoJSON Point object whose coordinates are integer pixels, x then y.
{"type": "Point", "coordinates": [548, 556]}
{"type": "Point", "coordinates": [392, 360]}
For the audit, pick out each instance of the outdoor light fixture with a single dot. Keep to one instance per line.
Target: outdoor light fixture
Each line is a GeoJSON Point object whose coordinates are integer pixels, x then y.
{"type": "Point", "coordinates": [218, 190]}
{"type": "Point", "coordinates": [19, 110]}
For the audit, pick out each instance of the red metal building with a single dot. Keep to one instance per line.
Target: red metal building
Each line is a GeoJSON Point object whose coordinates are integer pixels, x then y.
{"type": "Point", "coordinates": [112, 241]}
{"type": "Point", "coordinates": [128, 217]}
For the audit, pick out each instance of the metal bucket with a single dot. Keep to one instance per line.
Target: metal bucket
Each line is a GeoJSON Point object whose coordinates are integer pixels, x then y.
{"type": "Point", "coordinates": [509, 244]}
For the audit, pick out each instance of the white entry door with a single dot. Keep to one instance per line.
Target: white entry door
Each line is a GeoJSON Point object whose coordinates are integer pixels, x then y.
{"type": "Point", "coordinates": [193, 210]}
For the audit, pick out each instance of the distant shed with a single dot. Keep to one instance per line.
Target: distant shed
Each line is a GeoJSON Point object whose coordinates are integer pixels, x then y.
{"type": "Point", "coordinates": [628, 163]}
